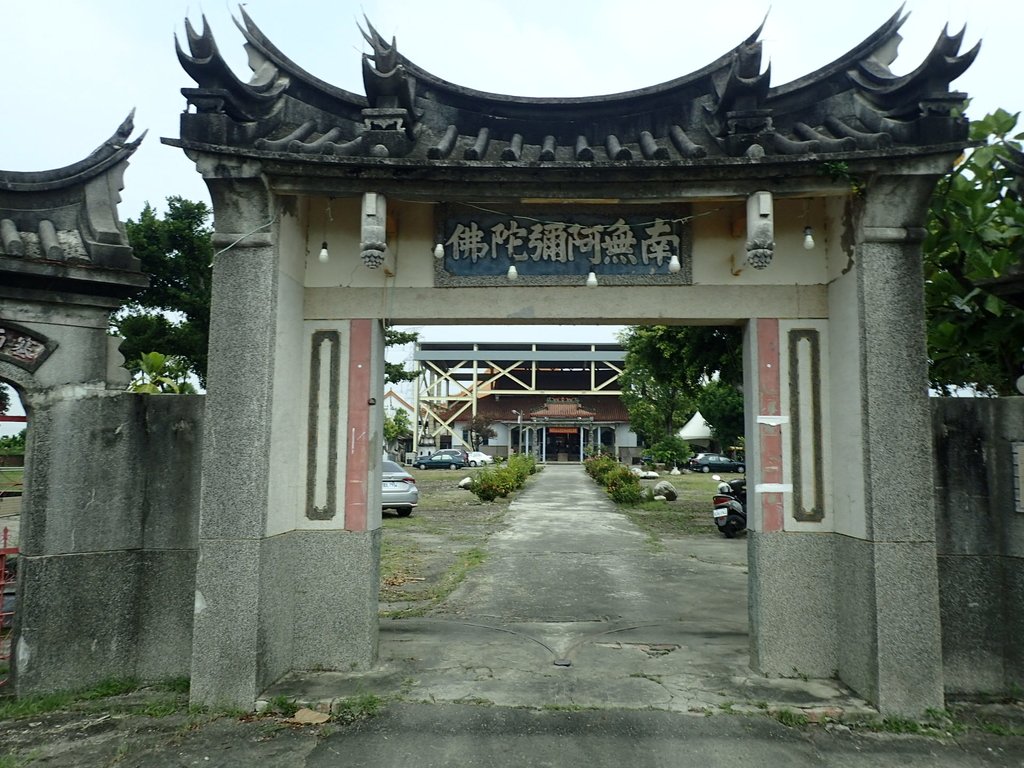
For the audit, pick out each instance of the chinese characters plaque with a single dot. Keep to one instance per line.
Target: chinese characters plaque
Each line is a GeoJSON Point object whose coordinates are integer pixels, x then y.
{"type": "Point", "coordinates": [20, 346]}
{"type": "Point", "coordinates": [561, 245]}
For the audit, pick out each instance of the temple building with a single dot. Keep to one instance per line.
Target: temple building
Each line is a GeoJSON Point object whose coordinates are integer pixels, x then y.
{"type": "Point", "coordinates": [559, 402]}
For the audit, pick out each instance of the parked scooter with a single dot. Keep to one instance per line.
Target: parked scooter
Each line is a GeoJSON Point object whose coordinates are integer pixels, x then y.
{"type": "Point", "coordinates": [730, 506]}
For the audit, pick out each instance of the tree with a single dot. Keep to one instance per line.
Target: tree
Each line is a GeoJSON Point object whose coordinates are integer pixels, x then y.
{"type": "Point", "coordinates": [13, 445]}
{"type": "Point", "coordinates": [5, 399]}
{"type": "Point", "coordinates": [665, 368]}
{"type": "Point", "coordinates": [396, 427]}
{"type": "Point", "coordinates": [480, 430]}
{"type": "Point", "coordinates": [975, 233]}
{"type": "Point", "coordinates": [161, 374]}
{"type": "Point", "coordinates": [671, 451]}
{"type": "Point", "coordinates": [172, 316]}
{"type": "Point", "coordinates": [721, 405]}
{"type": "Point", "coordinates": [396, 372]}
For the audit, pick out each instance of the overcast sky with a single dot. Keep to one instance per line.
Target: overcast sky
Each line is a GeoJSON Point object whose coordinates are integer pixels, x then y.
{"type": "Point", "coordinates": [73, 69]}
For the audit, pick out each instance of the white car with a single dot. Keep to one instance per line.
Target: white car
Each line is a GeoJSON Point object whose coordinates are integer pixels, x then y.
{"type": "Point", "coordinates": [479, 459]}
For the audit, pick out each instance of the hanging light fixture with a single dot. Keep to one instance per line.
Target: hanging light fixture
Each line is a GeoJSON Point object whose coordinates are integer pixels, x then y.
{"type": "Point", "coordinates": [438, 251]}
{"type": "Point", "coordinates": [592, 280]}
{"type": "Point", "coordinates": [673, 264]}
{"type": "Point", "coordinates": [513, 273]}
{"type": "Point", "coordinates": [324, 256]}
{"type": "Point", "coordinates": [808, 238]}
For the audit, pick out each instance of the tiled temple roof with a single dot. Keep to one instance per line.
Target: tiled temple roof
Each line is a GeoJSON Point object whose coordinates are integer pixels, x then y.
{"type": "Point", "coordinates": [726, 110]}
{"type": "Point", "coordinates": [600, 408]}
{"type": "Point", "coordinates": [60, 227]}
{"type": "Point", "coordinates": [562, 408]}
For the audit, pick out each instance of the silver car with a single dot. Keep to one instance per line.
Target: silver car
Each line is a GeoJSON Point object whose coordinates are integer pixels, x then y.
{"type": "Point", "coordinates": [479, 459]}
{"type": "Point", "coordinates": [398, 489]}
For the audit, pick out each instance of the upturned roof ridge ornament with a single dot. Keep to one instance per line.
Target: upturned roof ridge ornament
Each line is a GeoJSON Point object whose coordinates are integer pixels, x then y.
{"type": "Point", "coordinates": [739, 118]}
{"type": "Point", "coordinates": [219, 89]}
{"type": "Point", "coordinates": [390, 120]}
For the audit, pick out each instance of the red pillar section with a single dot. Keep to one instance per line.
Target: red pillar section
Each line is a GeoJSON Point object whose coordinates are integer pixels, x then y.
{"type": "Point", "coordinates": [357, 465]}
{"type": "Point", "coordinates": [769, 428]}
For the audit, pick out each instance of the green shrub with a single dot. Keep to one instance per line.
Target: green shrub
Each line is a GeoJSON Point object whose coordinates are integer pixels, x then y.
{"type": "Point", "coordinates": [623, 486]}
{"type": "Point", "coordinates": [599, 466]}
{"type": "Point", "coordinates": [495, 482]}
{"type": "Point", "coordinates": [523, 465]}
{"type": "Point", "coordinates": [671, 451]}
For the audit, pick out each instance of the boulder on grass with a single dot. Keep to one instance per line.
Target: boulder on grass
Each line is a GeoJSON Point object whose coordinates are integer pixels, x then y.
{"type": "Point", "coordinates": [466, 482]}
{"type": "Point", "coordinates": [666, 489]}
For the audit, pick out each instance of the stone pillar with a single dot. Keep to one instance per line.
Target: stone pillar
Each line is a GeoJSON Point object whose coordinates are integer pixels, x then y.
{"type": "Point", "coordinates": [888, 623]}
{"type": "Point", "coordinates": [226, 668]}
{"type": "Point", "coordinates": [842, 533]}
{"type": "Point", "coordinates": [107, 556]}
{"type": "Point", "coordinates": [290, 510]}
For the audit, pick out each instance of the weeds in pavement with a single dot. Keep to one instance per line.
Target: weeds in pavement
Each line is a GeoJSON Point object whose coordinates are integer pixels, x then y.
{"type": "Point", "coordinates": [434, 593]}
{"type": "Point", "coordinates": [173, 685]}
{"type": "Point", "coordinates": [790, 718]}
{"type": "Point", "coordinates": [282, 705]}
{"type": "Point", "coordinates": [356, 708]}
{"type": "Point", "coordinates": [30, 706]}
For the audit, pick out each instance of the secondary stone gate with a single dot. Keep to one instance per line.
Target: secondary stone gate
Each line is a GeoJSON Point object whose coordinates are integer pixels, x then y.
{"type": "Point", "coordinates": [107, 543]}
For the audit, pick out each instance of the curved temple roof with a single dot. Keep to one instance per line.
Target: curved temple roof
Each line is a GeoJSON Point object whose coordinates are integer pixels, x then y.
{"type": "Point", "coordinates": [725, 110]}
{"type": "Point", "coordinates": [60, 228]}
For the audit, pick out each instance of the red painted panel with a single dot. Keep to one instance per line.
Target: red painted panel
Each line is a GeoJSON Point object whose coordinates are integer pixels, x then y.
{"type": "Point", "coordinates": [769, 403]}
{"type": "Point", "coordinates": [357, 466]}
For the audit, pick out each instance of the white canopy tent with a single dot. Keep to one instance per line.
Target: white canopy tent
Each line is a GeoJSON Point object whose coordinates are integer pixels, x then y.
{"type": "Point", "coordinates": [696, 430]}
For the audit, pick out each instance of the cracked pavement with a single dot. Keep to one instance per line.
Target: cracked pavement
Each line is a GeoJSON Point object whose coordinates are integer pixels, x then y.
{"type": "Point", "coordinates": [563, 615]}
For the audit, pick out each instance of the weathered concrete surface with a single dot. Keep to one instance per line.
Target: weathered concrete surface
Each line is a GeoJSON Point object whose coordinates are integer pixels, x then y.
{"type": "Point", "coordinates": [107, 564]}
{"type": "Point", "coordinates": [673, 638]}
{"type": "Point", "coordinates": [978, 487]}
{"type": "Point", "coordinates": [574, 608]}
{"type": "Point", "coordinates": [442, 735]}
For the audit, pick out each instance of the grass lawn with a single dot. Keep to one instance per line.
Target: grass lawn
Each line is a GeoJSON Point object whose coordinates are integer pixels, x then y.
{"type": "Point", "coordinates": [11, 478]}
{"type": "Point", "coordinates": [428, 554]}
{"type": "Point", "coordinates": [688, 515]}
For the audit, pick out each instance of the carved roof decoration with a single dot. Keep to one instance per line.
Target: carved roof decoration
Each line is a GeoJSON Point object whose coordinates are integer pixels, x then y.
{"type": "Point", "coordinates": [61, 227]}
{"type": "Point", "coordinates": [562, 408]}
{"type": "Point", "coordinates": [726, 110]}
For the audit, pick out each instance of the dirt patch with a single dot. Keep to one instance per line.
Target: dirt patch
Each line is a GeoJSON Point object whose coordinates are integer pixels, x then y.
{"type": "Point", "coordinates": [426, 555]}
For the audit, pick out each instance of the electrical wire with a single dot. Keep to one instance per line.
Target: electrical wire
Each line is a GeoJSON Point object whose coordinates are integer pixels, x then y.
{"type": "Point", "coordinates": [242, 237]}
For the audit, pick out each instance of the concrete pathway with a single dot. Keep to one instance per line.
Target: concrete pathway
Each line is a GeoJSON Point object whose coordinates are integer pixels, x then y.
{"type": "Point", "coordinates": [653, 640]}
{"type": "Point", "coordinates": [574, 609]}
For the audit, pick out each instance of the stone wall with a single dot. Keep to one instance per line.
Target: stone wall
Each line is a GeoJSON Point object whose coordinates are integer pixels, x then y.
{"type": "Point", "coordinates": [108, 540]}
{"type": "Point", "coordinates": [979, 463]}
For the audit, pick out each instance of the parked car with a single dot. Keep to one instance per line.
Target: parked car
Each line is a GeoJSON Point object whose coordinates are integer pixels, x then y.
{"type": "Point", "coordinates": [398, 489]}
{"type": "Point", "coordinates": [479, 459]}
{"type": "Point", "coordinates": [447, 458]}
{"type": "Point", "coordinates": [715, 462]}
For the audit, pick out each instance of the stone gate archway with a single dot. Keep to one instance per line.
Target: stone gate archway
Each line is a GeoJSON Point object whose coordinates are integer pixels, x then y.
{"type": "Point", "coordinates": [795, 212]}
{"type": "Point", "coordinates": [106, 562]}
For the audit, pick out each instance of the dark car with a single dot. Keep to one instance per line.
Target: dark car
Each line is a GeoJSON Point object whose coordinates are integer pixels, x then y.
{"type": "Point", "coordinates": [447, 458]}
{"type": "Point", "coordinates": [715, 462]}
